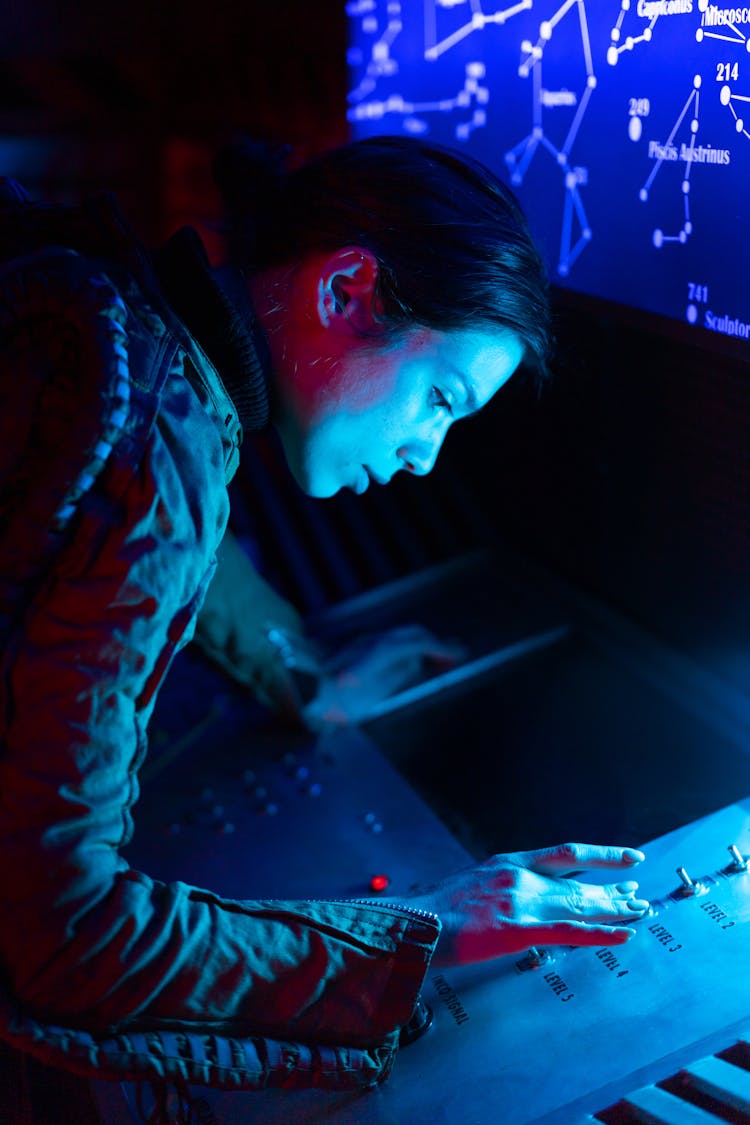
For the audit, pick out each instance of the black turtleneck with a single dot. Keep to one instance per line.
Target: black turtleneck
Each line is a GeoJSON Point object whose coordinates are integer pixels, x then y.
{"type": "Point", "coordinates": [221, 318]}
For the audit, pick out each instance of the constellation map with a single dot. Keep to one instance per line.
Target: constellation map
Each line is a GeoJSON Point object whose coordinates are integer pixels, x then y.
{"type": "Point", "coordinates": [622, 125]}
{"type": "Point", "coordinates": [664, 152]}
{"type": "Point", "coordinates": [519, 158]}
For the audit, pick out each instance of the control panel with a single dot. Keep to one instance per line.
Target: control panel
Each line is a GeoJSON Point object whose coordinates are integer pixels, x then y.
{"type": "Point", "coordinates": [625, 744]}
{"type": "Point", "coordinates": [555, 1035]}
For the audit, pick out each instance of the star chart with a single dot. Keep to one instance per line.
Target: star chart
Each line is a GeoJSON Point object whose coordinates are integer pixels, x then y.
{"type": "Point", "coordinates": [666, 152]}
{"type": "Point", "coordinates": [519, 157]}
{"type": "Point", "coordinates": [621, 125]}
{"type": "Point", "coordinates": [478, 20]}
{"type": "Point", "coordinates": [620, 42]}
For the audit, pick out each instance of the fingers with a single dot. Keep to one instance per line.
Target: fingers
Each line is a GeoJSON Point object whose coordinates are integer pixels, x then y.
{"type": "Point", "coordinates": [567, 858]}
{"type": "Point", "coordinates": [528, 896]}
{"type": "Point", "coordinates": [294, 650]}
{"type": "Point", "coordinates": [602, 904]}
{"type": "Point", "coordinates": [578, 933]}
{"type": "Point", "coordinates": [268, 680]}
{"type": "Point", "coordinates": [277, 692]}
{"type": "Point", "coordinates": [303, 654]}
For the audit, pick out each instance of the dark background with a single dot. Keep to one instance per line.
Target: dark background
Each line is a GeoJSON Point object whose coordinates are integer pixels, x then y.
{"type": "Point", "coordinates": [628, 475]}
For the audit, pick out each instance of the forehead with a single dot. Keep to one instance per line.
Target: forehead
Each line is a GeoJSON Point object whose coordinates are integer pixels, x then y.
{"type": "Point", "coordinates": [484, 357]}
{"type": "Point", "coordinates": [472, 364]}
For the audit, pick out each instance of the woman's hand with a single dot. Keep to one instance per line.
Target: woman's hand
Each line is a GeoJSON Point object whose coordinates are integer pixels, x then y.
{"type": "Point", "coordinates": [251, 632]}
{"type": "Point", "coordinates": [509, 903]}
{"type": "Point", "coordinates": [370, 669]}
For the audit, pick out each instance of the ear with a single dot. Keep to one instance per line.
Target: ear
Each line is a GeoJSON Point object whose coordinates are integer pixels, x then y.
{"type": "Point", "coordinates": [348, 300]}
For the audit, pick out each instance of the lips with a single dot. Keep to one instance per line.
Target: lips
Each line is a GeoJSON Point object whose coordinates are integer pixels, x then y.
{"type": "Point", "coordinates": [374, 476]}
{"type": "Point", "coordinates": [362, 483]}
{"type": "Point", "coordinates": [364, 476]}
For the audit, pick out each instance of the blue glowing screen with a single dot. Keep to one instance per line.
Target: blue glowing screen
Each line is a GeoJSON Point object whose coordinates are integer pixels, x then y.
{"type": "Point", "coordinates": [622, 125]}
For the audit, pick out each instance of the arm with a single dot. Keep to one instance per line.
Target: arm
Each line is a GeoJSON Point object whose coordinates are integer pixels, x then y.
{"type": "Point", "coordinates": [94, 942]}
{"type": "Point", "coordinates": [235, 628]}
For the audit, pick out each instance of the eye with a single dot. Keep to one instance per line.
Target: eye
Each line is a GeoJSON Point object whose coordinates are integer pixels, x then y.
{"type": "Point", "coordinates": [439, 401]}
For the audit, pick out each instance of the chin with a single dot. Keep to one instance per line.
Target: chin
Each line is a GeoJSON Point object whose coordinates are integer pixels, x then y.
{"type": "Point", "coordinates": [322, 493]}
{"type": "Point", "coordinates": [301, 464]}
{"type": "Point", "coordinates": [315, 487]}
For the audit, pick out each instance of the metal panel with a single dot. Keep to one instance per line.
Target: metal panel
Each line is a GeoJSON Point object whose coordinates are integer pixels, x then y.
{"type": "Point", "coordinates": [656, 1107]}
{"type": "Point", "coordinates": [729, 1084]}
{"type": "Point", "coordinates": [516, 1044]}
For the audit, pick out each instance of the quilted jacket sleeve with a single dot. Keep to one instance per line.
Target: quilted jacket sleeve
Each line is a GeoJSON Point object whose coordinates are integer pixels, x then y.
{"type": "Point", "coordinates": [88, 639]}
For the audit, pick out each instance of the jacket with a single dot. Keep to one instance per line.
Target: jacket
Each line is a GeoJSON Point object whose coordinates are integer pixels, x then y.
{"type": "Point", "coordinates": [119, 436]}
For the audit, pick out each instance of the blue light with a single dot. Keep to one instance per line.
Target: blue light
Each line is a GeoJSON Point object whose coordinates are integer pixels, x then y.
{"type": "Point", "coordinates": [623, 126]}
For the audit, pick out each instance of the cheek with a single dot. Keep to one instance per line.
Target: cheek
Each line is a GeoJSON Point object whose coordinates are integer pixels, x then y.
{"type": "Point", "coordinates": [367, 386]}
{"type": "Point", "coordinates": [315, 392]}
{"type": "Point", "coordinates": [336, 389]}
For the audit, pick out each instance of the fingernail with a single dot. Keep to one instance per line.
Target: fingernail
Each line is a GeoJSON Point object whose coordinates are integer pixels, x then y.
{"type": "Point", "coordinates": [625, 888]}
{"type": "Point", "coordinates": [632, 855]}
{"type": "Point", "coordinates": [639, 904]}
{"type": "Point", "coordinates": [630, 933]}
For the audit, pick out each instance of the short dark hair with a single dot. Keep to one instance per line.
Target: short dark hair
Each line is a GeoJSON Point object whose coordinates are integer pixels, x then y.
{"type": "Point", "coordinates": [452, 243]}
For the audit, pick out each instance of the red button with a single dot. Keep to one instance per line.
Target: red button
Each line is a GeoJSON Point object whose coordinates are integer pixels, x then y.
{"type": "Point", "coordinates": [378, 883]}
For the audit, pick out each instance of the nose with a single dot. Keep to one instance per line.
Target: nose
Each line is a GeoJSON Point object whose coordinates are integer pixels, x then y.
{"type": "Point", "coordinates": [419, 457]}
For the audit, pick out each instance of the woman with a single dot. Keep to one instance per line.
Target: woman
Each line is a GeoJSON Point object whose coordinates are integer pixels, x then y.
{"type": "Point", "coordinates": [372, 298]}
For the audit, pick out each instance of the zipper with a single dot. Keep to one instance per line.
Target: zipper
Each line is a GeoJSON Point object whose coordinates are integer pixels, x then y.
{"type": "Point", "coordinates": [414, 911]}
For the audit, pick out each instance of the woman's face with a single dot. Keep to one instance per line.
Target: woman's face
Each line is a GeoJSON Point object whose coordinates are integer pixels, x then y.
{"type": "Point", "coordinates": [353, 405]}
{"type": "Point", "coordinates": [387, 408]}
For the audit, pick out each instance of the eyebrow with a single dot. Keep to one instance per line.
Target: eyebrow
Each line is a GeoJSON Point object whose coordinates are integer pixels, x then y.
{"type": "Point", "coordinates": [471, 398]}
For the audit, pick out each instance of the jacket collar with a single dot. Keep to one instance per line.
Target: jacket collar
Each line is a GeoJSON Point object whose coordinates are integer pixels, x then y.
{"type": "Point", "coordinates": [178, 275]}
{"type": "Point", "coordinates": [222, 320]}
